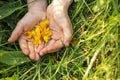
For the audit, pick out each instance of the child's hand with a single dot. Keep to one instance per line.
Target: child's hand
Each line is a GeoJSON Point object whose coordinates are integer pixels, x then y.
{"type": "Point", "coordinates": [60, 25]}
{"type": "Point", "coordinates": [36, 12]}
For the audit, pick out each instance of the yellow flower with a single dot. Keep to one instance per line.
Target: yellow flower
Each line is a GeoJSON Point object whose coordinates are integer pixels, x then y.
{"type": "Point", "coordinates": [41, 33]}
{"type": "Point", "coordinates": [28, 34]}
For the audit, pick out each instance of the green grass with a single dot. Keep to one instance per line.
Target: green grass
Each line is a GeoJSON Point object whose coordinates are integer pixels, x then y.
{"type": "Point", "coordinates": [95, 54]}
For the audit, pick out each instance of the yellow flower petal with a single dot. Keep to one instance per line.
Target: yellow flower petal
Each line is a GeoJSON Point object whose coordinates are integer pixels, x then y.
{"type": "Point", "coordinates": [46, 38]}
{"type": "Point", "coordinates": [41, 33]}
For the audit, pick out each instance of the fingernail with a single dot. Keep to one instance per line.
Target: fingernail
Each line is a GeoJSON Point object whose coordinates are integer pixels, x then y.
{"type": "Point", "coordinates": [41, 53]}
{"type": "Point", "coordinates": [9, 40]}
{"type": "Point", "coordinates": [67, 43]}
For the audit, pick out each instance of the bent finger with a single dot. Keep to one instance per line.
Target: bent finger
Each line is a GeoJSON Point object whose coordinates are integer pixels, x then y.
{"type": "Point", "coordinates": [23, 45]}
{"type": "Point", "coordinates": [32, 51]}
{"type": "Point", "coordinates": [16, 32]}
{"type": "Point", "coordinates": [39, 48]}
{"type": "Point", "coordinates": [53, 46]}
{"type": "Point", "coordinates": [25, 24]}
{"type": "Point", "coordinates": [37, 56]}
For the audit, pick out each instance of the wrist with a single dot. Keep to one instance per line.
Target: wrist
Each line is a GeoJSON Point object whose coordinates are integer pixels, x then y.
{"type": "Point", "coordinates": [38, 8]}
{"type": "Point", "coordinates": [37, 5]}
{"type": "Point", "coordinates": [64, 3]}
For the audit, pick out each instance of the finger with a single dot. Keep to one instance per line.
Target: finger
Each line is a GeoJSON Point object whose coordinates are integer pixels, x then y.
{"type": "Point", "coordinates": [32, 54]}
{"type": "Point", "coordinates": [51, 51]}
{"type": "Point", "coordinates": [63, 21]}
{"type": "Point", "coordinates": [53, 46]}
{"type": "Point", "coordinates": [19, 28]}
{"type": "Point", "coordinates": [23, 45]}
{"type": "Point", "coordinates": [39, 48]}
{"type": "Point", "coordinates": [36, 53]}
{"type": "Point", "coordinates": [36, 57]}
{"type": "Point", "coordinates": [16, 32]}
{"type": "Point", "coordinates": [45, 47]}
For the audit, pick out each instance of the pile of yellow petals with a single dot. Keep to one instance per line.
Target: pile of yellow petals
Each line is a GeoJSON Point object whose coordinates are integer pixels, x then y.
{"type": "Point", "coordinates": [41, 33]}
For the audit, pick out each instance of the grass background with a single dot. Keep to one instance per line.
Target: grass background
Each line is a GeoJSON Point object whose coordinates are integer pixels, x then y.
{"type": "Point", "coordinates": [94, 53]}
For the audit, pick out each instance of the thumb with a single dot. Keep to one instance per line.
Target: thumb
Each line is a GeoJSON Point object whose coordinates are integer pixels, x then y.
{"type": "Point", "coordinates": [16, 32]}
{"type": "Point", "coordinates": [25, 24]}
